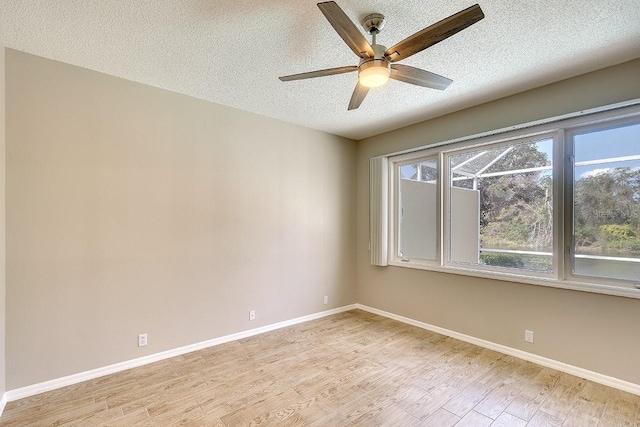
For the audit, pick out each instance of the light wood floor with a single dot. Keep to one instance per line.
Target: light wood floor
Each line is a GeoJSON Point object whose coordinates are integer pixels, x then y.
{"type": "Point", "coordinates": [353, 368]}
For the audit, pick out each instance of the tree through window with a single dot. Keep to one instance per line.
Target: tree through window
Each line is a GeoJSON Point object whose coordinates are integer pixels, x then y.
{"type": "Point", "coordinates": [606, 203]}
{"type": "Point", "coordinates": [509, 194]}
{"type": "Point", "coordinates": [503, 206]}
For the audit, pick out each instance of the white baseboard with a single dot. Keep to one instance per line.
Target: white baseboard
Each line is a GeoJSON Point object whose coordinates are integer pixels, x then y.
{"type": "Point", "coordinates": [3, 403]}
{"type": "Point", "coordinates": [34, 389]}
{"type": "Point", "coordinates": [42, 387]}
{"type": "Point", "coordinates": [540, 360]}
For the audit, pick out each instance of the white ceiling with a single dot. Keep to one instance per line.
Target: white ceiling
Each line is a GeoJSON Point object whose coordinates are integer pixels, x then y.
{"type": "Point", "coordinates": [232, 51]}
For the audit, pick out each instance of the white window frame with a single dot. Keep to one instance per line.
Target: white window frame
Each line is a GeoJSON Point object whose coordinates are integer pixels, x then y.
{"type": "Point", "coordinates": [560, 128]}
{"type": "Point", "coordinates": [556, 137]}
{"type": "Point", "coordinates": [568, 207]}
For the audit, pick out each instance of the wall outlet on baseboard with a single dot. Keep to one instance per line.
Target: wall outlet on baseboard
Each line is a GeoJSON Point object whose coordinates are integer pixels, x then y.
{"type": "Point", "coordinates": [142, 340]}
{"type": "Point", "coordinates": [528, 336]}
{"type": "Point", "coordinates": [252, 315]}
{"type": "Point", "coordinates": [326, 299]}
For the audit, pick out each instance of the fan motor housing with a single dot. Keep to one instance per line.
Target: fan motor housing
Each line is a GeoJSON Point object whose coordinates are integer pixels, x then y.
{"type": "Point", "coordinates": [378, 50]}
{"type": "Point", "coordinates": [379, 63]}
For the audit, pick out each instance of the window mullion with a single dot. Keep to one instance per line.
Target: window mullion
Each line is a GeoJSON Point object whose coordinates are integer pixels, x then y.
{"type": "Point", "coordinates": [567, 219]}
{"type": "Point", "coordinates": [559, 208]}
{"type": "Point", "coordinates": [443, 185]}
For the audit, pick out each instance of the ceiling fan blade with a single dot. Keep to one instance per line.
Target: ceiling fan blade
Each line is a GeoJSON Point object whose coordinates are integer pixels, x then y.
{"type": "Point", "coordinates": [416, 76]}
{"type": "Point", "coordinates": [358, 96]}
{"type": "Point", "coordinates": [346, 29]}
{"type": "Point", "coordinates": [319, 73]}
{"type": "Point", "coordinates": [434, 33]}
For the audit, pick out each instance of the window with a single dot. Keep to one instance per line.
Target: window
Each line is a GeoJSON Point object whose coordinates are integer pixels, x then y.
{"type": "Point", "coordinates": [555, 204]}
{"type": "Point", "coordinates": [501, 206]}
{"type": "Point", "coordinates": [418, 209]}
{"type": "Point", "coordinates": [606, 202]}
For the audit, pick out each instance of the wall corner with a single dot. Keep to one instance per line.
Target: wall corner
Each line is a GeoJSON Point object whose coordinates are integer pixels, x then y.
{"type": "Point", "coordinates": [3, 395]}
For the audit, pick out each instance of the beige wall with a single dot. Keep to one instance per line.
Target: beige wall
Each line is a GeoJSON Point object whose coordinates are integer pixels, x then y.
{"type": "Point", "coordinates": [131, 209]}
{"type": "Point", "coordinates": [2, 229]}
{"type": "Point", "coordinates": [592, 331]}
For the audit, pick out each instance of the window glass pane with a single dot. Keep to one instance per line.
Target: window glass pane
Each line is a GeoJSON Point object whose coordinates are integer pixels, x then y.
{"type": "Point", "coordinates": [501, 211]}
{"type": "Point", "coordinates": [606, 216]}
{"type": "Point", "coordinates": [418, 222]}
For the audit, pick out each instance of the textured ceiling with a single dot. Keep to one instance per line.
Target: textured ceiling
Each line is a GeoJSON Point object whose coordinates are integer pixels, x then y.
{"type": "Point", "coordinates": [232, 52]}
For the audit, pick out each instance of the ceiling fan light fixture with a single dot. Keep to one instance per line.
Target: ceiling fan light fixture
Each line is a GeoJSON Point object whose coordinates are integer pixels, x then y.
{"type": "Point", "coordinates": [374, 73]}
{"type": "Point", "coordinates": [375, 67]}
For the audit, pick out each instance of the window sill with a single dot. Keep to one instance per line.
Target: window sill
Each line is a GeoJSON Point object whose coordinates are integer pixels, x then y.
{"type": "Point", "coordinates": [621, 291]}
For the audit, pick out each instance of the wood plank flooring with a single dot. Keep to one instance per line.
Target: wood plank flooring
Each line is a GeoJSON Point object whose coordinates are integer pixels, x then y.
{"type": "Point", "coordinates": [350, 369]}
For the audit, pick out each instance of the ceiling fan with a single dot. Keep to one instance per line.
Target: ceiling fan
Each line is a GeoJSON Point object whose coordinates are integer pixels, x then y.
{"type": "Point", "coordinates": [377, 63]}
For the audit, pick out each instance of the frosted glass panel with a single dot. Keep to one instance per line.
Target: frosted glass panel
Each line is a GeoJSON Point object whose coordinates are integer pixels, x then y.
{"type": "Point", "coordinates": [418, 214]}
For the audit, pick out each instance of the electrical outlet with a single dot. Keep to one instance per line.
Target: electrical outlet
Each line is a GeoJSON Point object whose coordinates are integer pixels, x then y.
{"type": "Point", "coordinates": [528, 336]}
{"type": "Point", "coordinates": [142, 340]}
{"type": "Point", "coordinates": [252, 315]}
{"type": "Point", "coordinates": [326, 299]}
